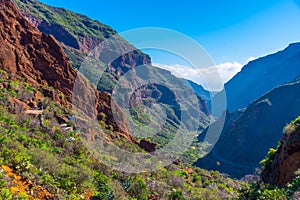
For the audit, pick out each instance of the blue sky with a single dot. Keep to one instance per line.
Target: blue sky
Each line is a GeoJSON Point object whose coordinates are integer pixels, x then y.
{"type": "Point", "coordinates": [230, 31]}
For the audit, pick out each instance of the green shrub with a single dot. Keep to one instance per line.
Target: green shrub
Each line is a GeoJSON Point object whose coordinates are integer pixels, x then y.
{"type": "Point", "coordinates": [138, 188]}
{"type": "Point", "coordinates": [22, 196]}
{"type": "Point", "coordinates": [3, 75]}
{"type": "Point", "coordinates": [5, 194]}
{"type": "Point", "coordinates": [256, 191]}
{"type": "Point", "coordinates": [267, 162]}
{"type": "Point", "coordinates": [176, 195]}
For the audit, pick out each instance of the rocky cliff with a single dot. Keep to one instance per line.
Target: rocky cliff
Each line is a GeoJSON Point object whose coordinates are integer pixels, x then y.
{"type": "Point", "coordinates": [81, 35]}
{"type": "Point", "coordinates": [108, 54]}
{"type": "Point", "coordinates": [280, 168]}
{"type": "Point", "coordinates": [37, 58]}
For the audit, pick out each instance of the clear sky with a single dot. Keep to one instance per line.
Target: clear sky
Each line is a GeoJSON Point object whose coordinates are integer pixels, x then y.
{"type": "Point", "coordinates": [231, 31]}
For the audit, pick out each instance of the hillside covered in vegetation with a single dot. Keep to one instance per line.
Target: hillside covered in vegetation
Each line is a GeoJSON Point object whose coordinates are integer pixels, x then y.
{"type": "Point", "coordinates": [42, 155]}
{"type": "Point", "coordinates": [42, 149]}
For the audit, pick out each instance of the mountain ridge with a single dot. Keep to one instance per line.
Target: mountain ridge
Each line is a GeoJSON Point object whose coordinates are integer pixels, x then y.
{"type": "Point", "coordinates": [39, 59]}
{"type": "Point", "coordinates": [112, 57]}
{"type": "Point", "coordinates": [259, 125]}
{"type": "Point", "coordinates": [261, 75]}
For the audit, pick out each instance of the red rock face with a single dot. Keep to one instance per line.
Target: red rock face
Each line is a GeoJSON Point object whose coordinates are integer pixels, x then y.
{"type": "Point", "coordinates": [38, 59]}
{"type": "Point", "coordinates": [81, 43]}
{"type": "Point", "coordinates": [26, 52]}
{"type": "Point", "coordinates": [286, 161]}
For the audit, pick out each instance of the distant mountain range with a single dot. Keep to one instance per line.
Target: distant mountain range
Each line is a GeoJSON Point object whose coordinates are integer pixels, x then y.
{"type": "Point", "coordinates": [249, 133]}
{"type": "Point", "coordinates": [262, 75]}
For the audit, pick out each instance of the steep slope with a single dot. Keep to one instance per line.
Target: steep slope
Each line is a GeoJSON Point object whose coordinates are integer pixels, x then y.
{"type": "Point", "coordinates": [202, 93]}
{"type": "Point", "coordinates": [40, 158]}
{"type": "Point", "coordinates": [27, 54]}
{"type": "Point", "coordinates": [261, 75]}
{"type": "Point", "coordinates": [281, 165]}
{"type": "Point", "coordinates": [249, 133]}
{"type": "Point", "coordinates": [80, 35]}
{"type": "Point", "coordinates": [198, 89]}
{"type": "Point", "coordinates": [280, 175]}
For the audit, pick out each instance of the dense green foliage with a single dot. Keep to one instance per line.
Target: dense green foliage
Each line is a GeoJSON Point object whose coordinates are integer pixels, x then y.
{"type": "Point", "coordinates": [43, 153]}
{"type": "Point", "coordinates": [261, 191]}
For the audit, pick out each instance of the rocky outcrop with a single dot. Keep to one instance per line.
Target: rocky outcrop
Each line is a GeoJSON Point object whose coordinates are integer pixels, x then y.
{"type": "Point", "coordinates": [26, 52]}
{"type": "Point", "coordinates": [147, 145]}
{"type": "Point", "coordinates": [29, 55]}
{"type": "Point", "coordinates": [287, 158]}
{"type": "Point", "coordinates": [81, 35]}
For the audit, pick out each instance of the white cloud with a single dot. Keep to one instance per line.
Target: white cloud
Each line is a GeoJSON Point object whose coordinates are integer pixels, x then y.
{"type": "Point", "coordinates": [211, 78]}
{"type": "Point", "coordinates": [251, 58]}
{"type": "Point", "coordinates": [228, 70]}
